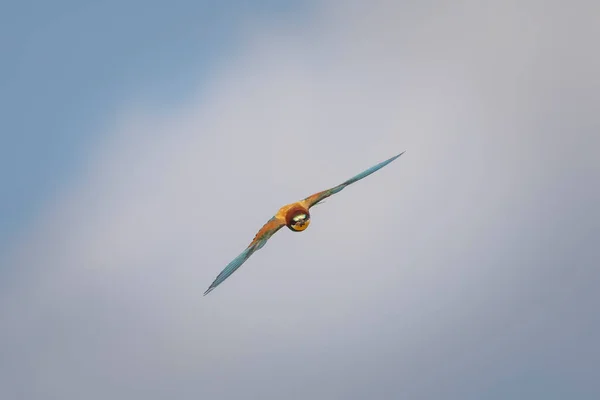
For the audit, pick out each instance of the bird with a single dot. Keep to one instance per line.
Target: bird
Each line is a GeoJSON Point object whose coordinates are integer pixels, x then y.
{"type": "Point", "coordinates": [296, 216]}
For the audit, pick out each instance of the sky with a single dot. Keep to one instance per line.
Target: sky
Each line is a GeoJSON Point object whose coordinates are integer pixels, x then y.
{"type": "Point", "coordinates": [145, 143]}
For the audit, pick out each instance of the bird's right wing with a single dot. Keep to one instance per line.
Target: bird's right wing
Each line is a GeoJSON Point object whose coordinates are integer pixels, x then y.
{"type": "Point", "coordinates": [320, 196]}
{"type": "Point", "coordinates": [264, 234]}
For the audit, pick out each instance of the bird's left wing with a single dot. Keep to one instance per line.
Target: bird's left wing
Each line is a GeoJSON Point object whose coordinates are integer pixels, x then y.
{"type": "Point", "coordinates": [320, 196]}
{"type": "Point", "coordinates": [268, 230]}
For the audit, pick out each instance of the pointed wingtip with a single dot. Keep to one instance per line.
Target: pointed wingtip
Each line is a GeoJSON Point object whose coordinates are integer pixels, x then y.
{"type": "Point", "coordinates": [208, 291]}
{"type": "Point", "coordinates": [396, 156]}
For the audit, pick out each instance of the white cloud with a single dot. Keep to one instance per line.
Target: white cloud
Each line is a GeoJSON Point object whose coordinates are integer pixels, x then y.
{"type": "Point", "coordinates": [443, 266]}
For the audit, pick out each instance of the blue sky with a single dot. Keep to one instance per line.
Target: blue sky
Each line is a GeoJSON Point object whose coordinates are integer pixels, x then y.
{"type": "Point", "coordinates": [144, 144]}
{"type": "Point", "coordinates": [69, 65]}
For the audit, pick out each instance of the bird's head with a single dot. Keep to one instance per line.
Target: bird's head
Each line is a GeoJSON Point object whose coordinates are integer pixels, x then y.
{"type": "Point", "coordinates": [297, 219]}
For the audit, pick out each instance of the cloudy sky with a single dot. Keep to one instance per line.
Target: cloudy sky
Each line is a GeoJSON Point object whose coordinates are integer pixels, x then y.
{"type": "Point", "coordinates": [145, 143]}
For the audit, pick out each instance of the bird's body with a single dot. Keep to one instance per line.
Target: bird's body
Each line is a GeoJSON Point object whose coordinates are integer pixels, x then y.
{"type": "Point", "coordinates": [296, 216]}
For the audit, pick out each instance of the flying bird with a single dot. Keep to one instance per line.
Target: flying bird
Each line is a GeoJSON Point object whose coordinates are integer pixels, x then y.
{"type": "Point", "coordinates": [295, 216]}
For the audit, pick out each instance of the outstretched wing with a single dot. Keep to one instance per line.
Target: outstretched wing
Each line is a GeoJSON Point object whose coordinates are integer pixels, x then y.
{"type": "Point", "coordinates": [317, 197]}
{"type": "Point", "coordinates": [268, 229]}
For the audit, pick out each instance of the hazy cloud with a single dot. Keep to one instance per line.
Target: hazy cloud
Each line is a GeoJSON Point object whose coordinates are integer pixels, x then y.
{"type": "Point", "coordinates": [468, 268]}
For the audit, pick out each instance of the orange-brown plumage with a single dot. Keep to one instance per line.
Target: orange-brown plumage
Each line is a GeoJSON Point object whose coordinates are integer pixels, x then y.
{"type": "Point", "coordinates": [272, 225]}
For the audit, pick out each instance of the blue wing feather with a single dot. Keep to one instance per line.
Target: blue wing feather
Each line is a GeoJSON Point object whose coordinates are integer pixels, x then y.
{"type": "Point", "coordinates": [261, 238]}
{"type": "Point", "coordinates": [234, 265]}
{"type": "Point", "coordinates": [317, 198]}
{"type": "Point", "coordinates": [369, 171]}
